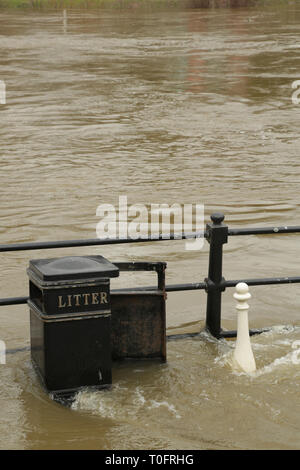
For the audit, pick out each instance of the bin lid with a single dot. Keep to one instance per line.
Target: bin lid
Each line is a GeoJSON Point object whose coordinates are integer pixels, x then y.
{"type": "Point", "coordinates": [73, 268]}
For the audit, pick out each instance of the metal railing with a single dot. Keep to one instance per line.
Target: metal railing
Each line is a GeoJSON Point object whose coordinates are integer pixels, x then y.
{"type": "Point", "coordinates": [216, 234]}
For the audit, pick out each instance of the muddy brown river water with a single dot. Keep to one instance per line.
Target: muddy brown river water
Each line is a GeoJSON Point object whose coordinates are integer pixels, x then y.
{"type": "Point", "coordinates": [181, 106]}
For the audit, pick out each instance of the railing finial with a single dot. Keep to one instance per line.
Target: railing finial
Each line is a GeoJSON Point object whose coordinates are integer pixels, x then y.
{"type": "Point", "coordinates": [217, 218]}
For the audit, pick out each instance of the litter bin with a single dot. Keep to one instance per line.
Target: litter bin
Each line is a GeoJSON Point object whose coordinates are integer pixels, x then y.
{"type": "Point", "coordinates": [70, 322]}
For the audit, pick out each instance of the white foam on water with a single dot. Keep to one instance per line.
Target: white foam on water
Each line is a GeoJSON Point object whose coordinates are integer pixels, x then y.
{"type": "Point", "coordinates": [274, 342]}
{"type": "Point", "coordinates": [105, 403]}
{"type": "Point", "coordinates": [119, 402]}
{"type": "Point", "coordinates": [287, 360]}
{"type": "Point", "coordinates": [276, 351]}
{"type": "Point", "coordinates": [157, 404]}
{"type": "Point", "coordinates": [280, 329]}
{"type": "Point", "coordinates": [140, 399]}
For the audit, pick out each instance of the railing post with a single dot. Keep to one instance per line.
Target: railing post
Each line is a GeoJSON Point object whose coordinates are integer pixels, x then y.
{"type": "Point", "coordinates": [217, 235]}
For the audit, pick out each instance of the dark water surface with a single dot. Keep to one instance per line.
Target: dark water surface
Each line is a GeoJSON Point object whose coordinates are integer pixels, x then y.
{"type": "Point", "coordinates": [182, 107]}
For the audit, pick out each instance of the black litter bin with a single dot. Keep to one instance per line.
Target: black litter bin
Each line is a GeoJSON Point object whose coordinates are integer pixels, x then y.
{"type": "Point", "coordinates": [70, 322]}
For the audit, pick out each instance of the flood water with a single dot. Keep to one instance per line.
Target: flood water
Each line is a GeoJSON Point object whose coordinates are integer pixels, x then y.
{"type": "Point", "coordinates": [182, 106]}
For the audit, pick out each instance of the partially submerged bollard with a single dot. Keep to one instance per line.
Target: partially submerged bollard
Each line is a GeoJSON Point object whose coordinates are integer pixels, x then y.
{"type": "Point", "coordinates": [243, 354]}
{"type": "Point", "coordinates": [70, 322]}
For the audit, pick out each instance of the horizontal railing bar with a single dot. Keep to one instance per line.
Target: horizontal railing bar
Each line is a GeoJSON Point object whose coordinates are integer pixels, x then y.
{"type": "Point", "coordinates": [179, 287]}
{"type": "Point", "coordinates": [264, 281]}
{"type": "Point", "coordinates": [263, 230]}
{"type": "Point", "coordinates": [17, 350]}
{"type": "Point", "coordinates": [160, 237]}
{"type": "Point", "coordinates": [231, 283]}
{"type": "Point", "coordinates": [182, 336]}
{"type": "Point", "coordinates": [13, 301]}
{"type": "Point", "coordinates": [233, 333]}
{"type": "Point", "coordinates": [170, 288]}
{"type": "Point", "coordinates": [96, 241]}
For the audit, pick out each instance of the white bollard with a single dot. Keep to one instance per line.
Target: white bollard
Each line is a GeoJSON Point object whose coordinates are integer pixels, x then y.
{"type": "Point", "coordinates": [243, 354]}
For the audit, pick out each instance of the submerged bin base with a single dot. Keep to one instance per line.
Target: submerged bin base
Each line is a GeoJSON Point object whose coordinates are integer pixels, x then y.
{"type": "Point", "coordinates": [71, 352]}
{"type": "Point", "coordinates": [68, 397]}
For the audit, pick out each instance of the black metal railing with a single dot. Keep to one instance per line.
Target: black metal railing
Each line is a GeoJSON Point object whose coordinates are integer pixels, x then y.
{"type": "Point", "coordinates": [216, 233]}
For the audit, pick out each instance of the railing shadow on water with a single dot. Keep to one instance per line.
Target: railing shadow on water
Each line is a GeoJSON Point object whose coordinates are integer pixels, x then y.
{"type": "Point", "coordinates": [216, 234]}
